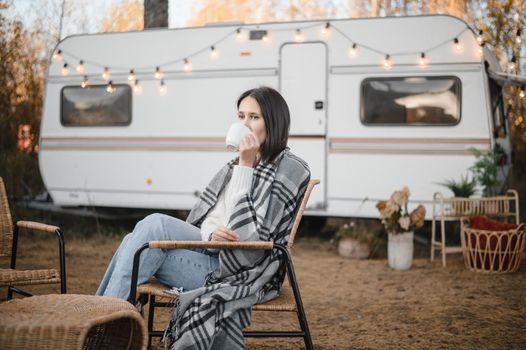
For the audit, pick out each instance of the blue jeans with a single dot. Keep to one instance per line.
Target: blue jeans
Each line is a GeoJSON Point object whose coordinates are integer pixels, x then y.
{"type": "Point", "coordinates": [185, 268]}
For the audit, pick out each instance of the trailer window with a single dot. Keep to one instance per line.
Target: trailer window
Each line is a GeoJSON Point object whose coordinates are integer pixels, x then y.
{"type": "Point", "coordinates": [410, 101]}
{"type": "Point", "coordinates": [94, 106]}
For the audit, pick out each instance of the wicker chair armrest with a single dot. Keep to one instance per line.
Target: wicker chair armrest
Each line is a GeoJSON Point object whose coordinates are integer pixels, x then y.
{"type": "Point", "coordinates": [31, 225]}
{"type": "Point", "coordinates": [254, 245]}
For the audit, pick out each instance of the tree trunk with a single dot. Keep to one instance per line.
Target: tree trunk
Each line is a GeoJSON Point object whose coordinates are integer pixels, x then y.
{"type": "Point", "coordinates": [155, 14]}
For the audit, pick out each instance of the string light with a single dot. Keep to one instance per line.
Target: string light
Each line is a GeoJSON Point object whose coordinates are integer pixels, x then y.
{"type": "Point", "coordinates": [518, 38]}
{"type": "Point", "coordinates": [162, 88]}
{"type": "Point", "coordinates": [187, 67]}
{"type": "Point", "coordinates": [511, 65]}
{"type": "Point", "coordinates": [422, 61]}
{"type": "Point", "coordinates": [137, 87]}
{"type": "Point", "coordinates": [132, 76]}
{"type": "Point", "coordinates": [213, 52]}
{"type": "Point", "coordinates": [298, 37]}
{"type": "Point", "coordinates": [458, 46]}
{"type": "Point", "coordinates": [387, 62]}
{"type": "Point", "coordinates": [480, 40]}
{"type": "Point", "coordinates": [326, 29]}
{"type": "Point", "coordinates": [110, 87]}
{"type": "Point", "coordinates": [158, 73]}
{"type": "Point", "coordinates": [106, 75]}
{"type": "Point", "coordinates": [85, 82]}
{"type": "Point", "coordinates": [522, 93]}
{"type": "Point", "coordinates": [57, 56]}
{"type": "Point", "coordinates": [353, 51]}
{"type": "Point", "coordinates": [239, 34]}
{"type": "Point", "coordinates": [80, 67]}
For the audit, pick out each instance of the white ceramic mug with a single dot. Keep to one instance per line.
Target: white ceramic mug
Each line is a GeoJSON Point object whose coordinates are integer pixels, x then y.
{"type": "Point", "coordinates": [235, 134]}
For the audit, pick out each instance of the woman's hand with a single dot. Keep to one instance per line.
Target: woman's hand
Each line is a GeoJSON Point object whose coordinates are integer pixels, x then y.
{"type": "Point", "coordinates": [222, 233]}
{"type": "Point", "coordinates": [248, 150]}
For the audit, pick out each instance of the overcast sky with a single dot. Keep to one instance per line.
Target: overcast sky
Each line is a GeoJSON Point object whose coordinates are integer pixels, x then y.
{"type": "Point", "coordinates": [180, 11]}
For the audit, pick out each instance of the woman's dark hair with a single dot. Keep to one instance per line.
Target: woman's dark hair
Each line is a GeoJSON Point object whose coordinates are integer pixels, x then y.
{"type": "Point", "coordinates": [277, 119]}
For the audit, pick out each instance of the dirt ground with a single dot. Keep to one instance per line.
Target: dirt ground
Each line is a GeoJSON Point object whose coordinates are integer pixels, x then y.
{"type": "Point", "coordinates": [353, 304]}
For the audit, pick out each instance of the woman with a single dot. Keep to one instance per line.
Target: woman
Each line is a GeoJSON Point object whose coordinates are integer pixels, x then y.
{"type": "Point", "coordinates": [252, 198]}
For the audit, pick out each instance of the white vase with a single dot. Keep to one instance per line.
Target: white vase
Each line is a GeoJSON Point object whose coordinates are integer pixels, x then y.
{"type": "Point", "coordinates": [400, 250]}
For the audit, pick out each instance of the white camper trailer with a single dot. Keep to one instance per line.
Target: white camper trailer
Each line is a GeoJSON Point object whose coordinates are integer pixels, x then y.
{"type": "Point", "coordinates": [376, 104]}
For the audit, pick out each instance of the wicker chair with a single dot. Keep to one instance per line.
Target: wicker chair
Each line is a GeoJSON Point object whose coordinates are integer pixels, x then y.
{"type": "Point", "coordinates": [71, 321]}
{"type": "Point", "coordinates": [503, 207]}
{"type": "Point", "coordinates": [12, 277]}
{"type": "Point", "coordinates": [288, 301]}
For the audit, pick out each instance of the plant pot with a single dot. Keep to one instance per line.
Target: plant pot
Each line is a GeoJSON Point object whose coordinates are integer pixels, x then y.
{"type": "Point", "coordinates": [353, 248]}
{"type": "Point", "coordinates": [400, 250]}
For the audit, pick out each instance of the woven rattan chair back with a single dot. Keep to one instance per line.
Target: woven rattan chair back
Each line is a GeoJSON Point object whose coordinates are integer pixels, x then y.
{"type": "Point", "coordinates": [6, 223]}
{"type": "Point", "coordinates": [301, 210]}
{"type": "Point", "coordinates": [12, 277]}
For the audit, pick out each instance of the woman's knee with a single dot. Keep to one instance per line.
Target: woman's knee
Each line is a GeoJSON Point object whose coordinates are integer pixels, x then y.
{"type": "Point", "coordinates": [151, 225]}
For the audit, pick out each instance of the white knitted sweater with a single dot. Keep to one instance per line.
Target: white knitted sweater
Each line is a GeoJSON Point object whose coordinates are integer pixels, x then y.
{"type": "Point", "coordinates": [238, 186]}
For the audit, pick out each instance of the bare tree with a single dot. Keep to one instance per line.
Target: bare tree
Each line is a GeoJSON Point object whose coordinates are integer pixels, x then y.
{"type": "Point", "coordinates": [155, 13]}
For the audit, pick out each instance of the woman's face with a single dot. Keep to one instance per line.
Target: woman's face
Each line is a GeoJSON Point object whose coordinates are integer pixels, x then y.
{"type": "Point", "coordinates": [250, 114]}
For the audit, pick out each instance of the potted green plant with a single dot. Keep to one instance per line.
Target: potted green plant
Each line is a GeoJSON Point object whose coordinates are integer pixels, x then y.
{"type": "Point", "coordinates": [486, 169]}
{"type": "Point", "coordinates": [355, 241]}
{"type": "Point", "coordinates": [464, 188]}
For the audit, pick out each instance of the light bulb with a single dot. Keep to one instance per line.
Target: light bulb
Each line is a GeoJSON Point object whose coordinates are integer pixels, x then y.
{"type": "Point", "coordinates": [213, 52]}
{"type": "Point", "coordinates": [480, 40]}
{"type": "Point", "coordinates": [511, 65]}
{"type": "Point", "coordinates": [298, 37]}
{"type": "Point", "coordinates": [65, 69]}
{"type": "Point", "coordinates": [353, 51]}
{"type": "Point", "coordinates": [518, 38]}
{"type": "Point", "coordinates": [162, 88]}
{"type": "Point", "coordinates": [326, 29]}
{"type": "Point", "coordinates": [480, 49]}
{"type": "Point", "coordinates": [239, 34]}
{"type": "Point", "coordinates": [387, 62]}
{"type": "Point", "coordinates": [458, 46]}
{"type": "Point", "coordinates": [80, 67]}
{"type": "Point", "coordinates": [265, 36]}
{"type": "Point", "coordinates": [158, 73]}
{"type": "Point", "coordinates": [110, 88]}
{"type": "Point", "coordinates": [522, 93]}
{"type": "Point", "coordinates": [106, 75]}
{"type": "Point", "coordinates": [57, 56]}
{"type": "Point", "coordinates": [422, 61]}
{"type": "Point", "coordinates": [137, 87]}
{"type": "Point", "coordinates": [85, 82]}
{"type": "Point", "coordinates": [132, 76]}
{"type": "Point", "coordinates": [187, 67]}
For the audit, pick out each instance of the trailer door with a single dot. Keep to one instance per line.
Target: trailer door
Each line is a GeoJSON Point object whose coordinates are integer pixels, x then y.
{"type": "Point", "coordinates": [303, 84]}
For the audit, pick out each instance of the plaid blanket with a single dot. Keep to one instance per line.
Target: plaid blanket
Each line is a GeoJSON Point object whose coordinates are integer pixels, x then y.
{"type": "Point", "coordinates": [214, 316]}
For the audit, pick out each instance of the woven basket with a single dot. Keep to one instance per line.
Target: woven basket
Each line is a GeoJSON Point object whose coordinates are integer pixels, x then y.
{"type": "Point", "coordinates": [493, 251]}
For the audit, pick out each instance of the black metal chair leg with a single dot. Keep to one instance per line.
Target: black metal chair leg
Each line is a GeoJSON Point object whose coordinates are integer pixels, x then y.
{"type": "Point", "coordinates": [299, 304]}
{"type": "Point", "coordinates": [62, 255]}
{"type": "Point", "coordinates": [151, 312]}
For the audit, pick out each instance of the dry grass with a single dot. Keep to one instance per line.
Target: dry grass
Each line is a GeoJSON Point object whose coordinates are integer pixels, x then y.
{"type": "Point", "coordinates": [354, 304]}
